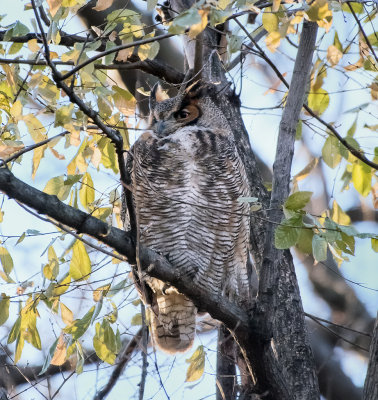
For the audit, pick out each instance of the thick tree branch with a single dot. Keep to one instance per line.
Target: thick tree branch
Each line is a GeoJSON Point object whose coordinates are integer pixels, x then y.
{"type": "Point", "coordinates": [156, 265]}
{"type": "Point", "coordinates": [272, 300]}
{"type": "Point", "coordinates": [371, 382]}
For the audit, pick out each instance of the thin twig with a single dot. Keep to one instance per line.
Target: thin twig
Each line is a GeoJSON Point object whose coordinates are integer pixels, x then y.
{"type": "Point", "coordinates": [114, 50]}
{"type": "Point", "coordinates": [33, 146]}
{"type": "Point", "coordinates": [354, 151]}
{"type": "Point", "coordinates": [313, 317]}
{"type": "Point", "coordinates": [363, 32]}
{"type": "Point", "coordinates": [336, 334]}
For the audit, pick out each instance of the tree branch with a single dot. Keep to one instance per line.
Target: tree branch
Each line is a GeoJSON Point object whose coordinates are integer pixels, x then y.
{"type": "Point", "coordinates": [273, 303]}
{"type": "Point", "coordinates": [114, 50]}
{"type": "Point", "coordinates": [371, 382]}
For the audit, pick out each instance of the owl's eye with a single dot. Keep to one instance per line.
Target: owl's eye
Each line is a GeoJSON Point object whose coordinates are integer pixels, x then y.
{"type": "Point", "coordinates": [182, 114]}
{"type": "Point", "coordinates": [188, 114]}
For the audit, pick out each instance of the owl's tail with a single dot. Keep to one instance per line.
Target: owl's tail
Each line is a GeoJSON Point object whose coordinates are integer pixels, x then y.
{"type": "Point", "coordinates": [173, 322]}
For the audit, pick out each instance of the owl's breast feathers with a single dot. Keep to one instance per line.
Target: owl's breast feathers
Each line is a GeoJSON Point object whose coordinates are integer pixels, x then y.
{"type": "Point", "coordinates": [186, 188]}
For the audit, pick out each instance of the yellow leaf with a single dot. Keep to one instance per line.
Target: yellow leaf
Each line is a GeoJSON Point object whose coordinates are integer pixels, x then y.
{"type": "Point", "coordinates": [196, 365]}
{"type": "Point", "coordinates": [272, 41]}
{"type": "Point", "coordinates": [80, 265]}
{"type": "Point", "coordinates": [38, 154]}
{"type": "Point", "coordinates": [33, 45]}
{"type": "Point", "coordinates": [100, 292]}
{"type": "Point", "coordinates": [59, 357]}
{"type": "Point", "coordinates": [16, 110]}
{"type": "Point", "coordinates": [67, 314]}
{"type": "Point", "coordinates": [338, 215]}
{"type": "Point", "coordinates": [200, 26]}
{"type": "Point", "coordinates": [62, 286]}
{"type": "Point", "coordinates": [334, 55]}
{"type": "Point", "coordinates": [86, 192]}
{"type": "Point", "coordinates": [8, 147]}
{"type": "Point", "coordinates": [306, 170]}
{"type": "Point", "coordinates": [54, 6]}
{"type": "Point", "coordinates": [276, 5]}
{"type": "Point", "coordinates": [318, 100]}
{"type": "Point", "coordinates": [102, 5]}
{"type": "Point", "coordinates": [270, 21]}
{"type": "Point", "coordinates": [54, 185]}
{"type": "Point", "coordinates": [361, 178]}
{"type": "Point", "coordinates": [6, 260]}
{"type": "Point", "coordinates": [320, 13]}
{"type": "Point", "coordinates": [35, 128]}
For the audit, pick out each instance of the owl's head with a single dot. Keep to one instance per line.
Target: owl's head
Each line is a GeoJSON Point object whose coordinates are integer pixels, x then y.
{"type": "Point", "coordinates": [191, 106]}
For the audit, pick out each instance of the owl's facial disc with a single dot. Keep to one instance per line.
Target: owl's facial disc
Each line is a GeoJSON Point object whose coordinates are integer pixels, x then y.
{"type": "Point", "coordinates": [166, 123]}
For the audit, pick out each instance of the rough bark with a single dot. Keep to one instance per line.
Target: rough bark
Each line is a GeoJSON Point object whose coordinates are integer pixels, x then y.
{"type": "Point", "coordinates": [226, 365]}
{"type": "Point", "coordinates": [371, 382]}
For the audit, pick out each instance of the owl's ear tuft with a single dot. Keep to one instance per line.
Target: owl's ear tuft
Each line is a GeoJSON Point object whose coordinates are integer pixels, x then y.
{"type": "Point", "coordinates": [157, 95]}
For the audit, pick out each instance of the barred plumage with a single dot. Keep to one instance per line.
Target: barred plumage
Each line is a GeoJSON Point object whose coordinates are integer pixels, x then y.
{"type": "Point", "coordinates": [187, 177]}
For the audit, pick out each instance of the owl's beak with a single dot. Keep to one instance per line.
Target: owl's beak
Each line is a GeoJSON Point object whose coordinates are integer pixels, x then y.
{"type": "Point", "coordinates": [160, 127]}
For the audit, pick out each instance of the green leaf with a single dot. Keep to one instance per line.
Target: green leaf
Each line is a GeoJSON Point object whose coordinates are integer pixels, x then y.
{"type": "Point", "coordinates": [358, 8]}
{"type": "Point", "coordinates": [304, 243]}
{"type": "Point", "coordinates": [361, 177]}
{"type": "Point", "coordinates": [184, 21]}
{"type": "Point", "coordinates": [318, 100]}
{"type": "Point", "coordinates": [352, 129]}
{"type": "Point", "coordinates": [105, 342]}
{"type": "Point", "coordinates": [49, 357]}
{"type": "Point", "coordinates": [86, 192]}
{"type": "Point", "coordinates": [15, 331]}
{"type": "Point", "coordinates": [287, 233]}
{"type": "Point", "coordinates": [319, 248]}
{"type": "Point", "coordinates": [196, 365]}
{"type": "Point", "coordinates": [63, 115]}
{"type": "Point", "coordinates": [331, 151]}
{"type": "Point", "coordinates": [297, 200]}
{"type": "Point", "coordinates": [80, 265]}
{"type": "Point", "coordinates": [4, 308]}
{"type": "Point", "coordinates": [332, 232]}
{"type": "Point", "coordinates": [80, 326]}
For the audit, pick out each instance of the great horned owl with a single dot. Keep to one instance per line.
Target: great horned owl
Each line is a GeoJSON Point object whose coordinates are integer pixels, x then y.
{"type": "Point", "coordinates": [186, 178]}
